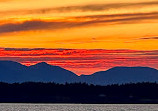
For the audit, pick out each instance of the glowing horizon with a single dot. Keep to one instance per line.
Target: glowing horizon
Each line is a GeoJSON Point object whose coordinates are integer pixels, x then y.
{"type": "Point", "coordinates": [82, 61]}
{"type": "Point", "coordinates": [81, 25]}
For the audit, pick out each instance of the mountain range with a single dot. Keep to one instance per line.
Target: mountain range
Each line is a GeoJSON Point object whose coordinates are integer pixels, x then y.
{"type": "Point", "coordinates": [12, 72]}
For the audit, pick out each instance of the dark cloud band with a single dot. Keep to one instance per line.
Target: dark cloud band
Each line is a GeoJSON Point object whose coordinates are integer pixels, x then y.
{"type": "Point", "coordinates": [96, 19]}
{"type": "Point", "coordinates": [147, 38]}
{"type": "Point", "coordinates": [84, 8]}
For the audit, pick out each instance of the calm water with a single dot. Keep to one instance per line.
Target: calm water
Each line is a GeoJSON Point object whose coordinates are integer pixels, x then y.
{"type": "Point", "coordinates": [76, 107]}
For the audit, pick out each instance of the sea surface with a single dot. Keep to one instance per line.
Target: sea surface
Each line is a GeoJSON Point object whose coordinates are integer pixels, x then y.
{"type": "Point", "coordinates": [78, 107]}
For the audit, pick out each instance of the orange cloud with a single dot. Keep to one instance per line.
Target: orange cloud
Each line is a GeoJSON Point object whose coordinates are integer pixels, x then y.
{"type": "Point", "coordinates": [84, 8]}
{"type": "Point", "coordinates": [92, 20]}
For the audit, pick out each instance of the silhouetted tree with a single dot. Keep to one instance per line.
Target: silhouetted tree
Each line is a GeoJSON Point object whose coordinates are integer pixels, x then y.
{"type": "Point", "coordinates": [38, 92]}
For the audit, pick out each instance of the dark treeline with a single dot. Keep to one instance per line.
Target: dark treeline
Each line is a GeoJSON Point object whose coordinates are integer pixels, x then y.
{"type": "Point", "coordinates": [31, 92]}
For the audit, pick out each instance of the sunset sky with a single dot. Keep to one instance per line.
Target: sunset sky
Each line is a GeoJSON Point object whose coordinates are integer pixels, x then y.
{"type": "Point", "coordinates": [83, 36]}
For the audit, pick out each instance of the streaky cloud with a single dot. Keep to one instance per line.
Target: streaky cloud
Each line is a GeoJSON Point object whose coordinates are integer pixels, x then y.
{"type": "Point", "coordinates": [96, 19]}
{"type": "Point", "coordinates": [148, 38]}
{"type": "Point", "coordinates": [101, 7]}
{"type": "Point", "coordinates": [84, 8]}
{"type": "Point", "coordinates": [23, 49]}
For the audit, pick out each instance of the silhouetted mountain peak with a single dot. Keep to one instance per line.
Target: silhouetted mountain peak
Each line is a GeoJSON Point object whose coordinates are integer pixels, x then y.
{"type": "Point", "coordinates": [42, 72]}
{"type": "Point", "coordinates": [47, 67]}
{"type": "Point", "coordinates": [138, 68]}
{"type": "Point", "coordinates": [15, 72]}
{"type": "Point", "coordinates": [10, 64]}
{"type": "Point", "coordinates": [41, 65]}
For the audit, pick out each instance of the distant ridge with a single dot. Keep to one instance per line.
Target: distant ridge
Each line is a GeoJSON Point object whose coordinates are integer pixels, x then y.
{"type": "Point", "coordinates": [120, 75]}
{"type": "Point", "coordinates": [42, 72]}
{"type": "Point", "coordinates": [11, 72]}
